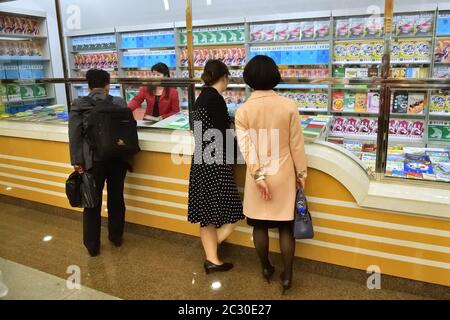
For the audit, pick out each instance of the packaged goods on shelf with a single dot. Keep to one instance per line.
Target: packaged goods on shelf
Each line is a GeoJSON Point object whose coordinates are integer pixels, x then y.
{"type": "Point", "coordinates": [439, 131]}
{"type": "Point", "coordinates": [314, 126]}
{"type": "Point", "coordinates": [407, 128]}
{"type": "Point", "coordinates": [148, 39]}
{"type": "Point", "coordinates": [94, 43]}
{"type": "Point", "coordinates": [359, 28]}
{"type": "Point", "coordinates": [310, 73]}
{"type": "Point", "coordinates": [86, 61]}
{"type": "Point", "coordinates": [416, 103]}
{"type": "Point", "coordinates": [307, 100]}
{"type": "Point", "coordinates": [410, 73]}
{"type": "Point", "coordinates": [229, 56]}
{"type": "Point", "coordinates": [361, 102]}
{"type": "Point", "coordinates": [441, 72]}
{"type": "Point", "coordinates": [443, 24]}
{"type": "Point", "coordinates": [14, 25]}
{"type": "Point", "coordinates": [21, 49]}
{"type": "Point", "coordinates": [147, 58]}
{"type": "Point", "coordinates": [442, 51]}
{"type": "Point", "coordinates": [306, 54]}
{"type": "Point", "coordinates": [354, 125]}
{"type": "Point", "coordinates": [215, 35]}
{"type": "Point", "coordinates": [440, 103]}
{"type": "Point", "coordinates": [408, 103]}
{"type": "Point", "coordinates": [338, 101]}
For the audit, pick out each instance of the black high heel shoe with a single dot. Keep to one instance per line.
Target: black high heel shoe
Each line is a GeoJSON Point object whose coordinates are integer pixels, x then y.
{"type": "Point", "coordinates": [285, 283]}
{"type": "Point", "coordinates": [211, 267]}
{"type": "Point", "coordinates": [268, 272]}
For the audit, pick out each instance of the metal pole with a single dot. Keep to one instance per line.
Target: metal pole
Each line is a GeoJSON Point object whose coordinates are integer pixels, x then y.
{"type": "Point", "coordinates": [190, 53]}
{"type": "Point", "coordinates": [385, 99]}
{"type": "Point", "coordinates": [63, 52]}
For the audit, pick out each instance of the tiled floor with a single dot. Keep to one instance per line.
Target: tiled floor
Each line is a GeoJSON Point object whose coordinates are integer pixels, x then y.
{"type": "Point", "coordinates": [152, 264]}
{"type": "Point", "coordinates": [25, 283]}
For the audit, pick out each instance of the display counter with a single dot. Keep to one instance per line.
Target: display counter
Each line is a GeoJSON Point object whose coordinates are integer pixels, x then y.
{"type": "Point", "coordinates": [404, 228]}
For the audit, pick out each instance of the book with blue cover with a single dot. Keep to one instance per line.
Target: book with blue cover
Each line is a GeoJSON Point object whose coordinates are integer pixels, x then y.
{"type": "Point", "coordinates": [418, 163]}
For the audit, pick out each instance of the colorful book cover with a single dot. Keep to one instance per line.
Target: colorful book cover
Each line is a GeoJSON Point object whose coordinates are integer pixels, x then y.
{"type": "Point", "coordinates": [424, 25]}
{"type": "Point", "coordinates": [395, 167]}
{"type": "Point", "coordinates": [338, 101]}
{"type": "Point", "coordinates": [357, 27]}
{"type": "Point", "coordinates": [339, 72]}
{"type": "Point", "coordinates": [361, 102]}
{"type": "Point", "coordinates": [342, 28]}
{"type": "Point", "coordinates": [282, 32]}
{"type": "Point", "coordinates": [439, 130]}
{"type": "Point", "coordinates": [418, 163]}
{"type": "Point", "coordinates": [354, 51]}
{"type": "Point", "coordinates": [321, 29]}
{"type": "Point", "coordinates": [395, 51]}
{"type": "Point", "coordinates": [416, 103]}
{"type": "Point", "coordinates": [349, 101]}
{"type": "Point", "coordinates": [442, 51]}
{"type": "Point", "coordinates": [374, 27]}
{"type": "Point", "coordinates": [378, 50]}
{"type": "Point", "coordinates": [423, 50]}
{"type": "Point", "coordinates": [307, 28]}
{"type": "Point", "coordinates": [400, 103]}
{"type": "Point", "coordinates": [351, 73]}
{"type": "Point", "coordinates": [373, 102]}
{"type": "Point", "coordinates": [294, 31]}
{"type": "Point", "coordinates": [340, 51]}
{"type": "Point", "coordinates": [442, 171]}
{"type": "Point", "coordinates": [407, 50]}
{"type": "Point", "coordinates": [437, 103]}
{"type": "Point", "coordinates": [438, 156]}
{"type": "Point", "coordinates": [416, 129]}
{"type": "Point", "coordinates": [351, 124]}
{"type": "Point", "coordinates": [405, 25]}
{"type": "Point", "coordinates": [366, 51]}
{"type": "Point", "coordinates": [443, 24]}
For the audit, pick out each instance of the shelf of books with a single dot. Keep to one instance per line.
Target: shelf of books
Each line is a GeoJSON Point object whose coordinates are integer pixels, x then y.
{"type": "Point", "coordinates": [226, 43]}
{"type": "Point", "coordinates": [98, 51]}
{"type": "Point", "coordinates": [25, 55]}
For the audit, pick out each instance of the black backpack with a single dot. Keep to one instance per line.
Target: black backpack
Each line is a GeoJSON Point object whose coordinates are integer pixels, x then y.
{"type": "Point", "coordinates": [111, 130]}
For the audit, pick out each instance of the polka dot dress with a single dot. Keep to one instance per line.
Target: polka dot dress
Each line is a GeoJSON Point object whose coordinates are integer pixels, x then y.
{"type": "Point", "coordinates": [213, 195]}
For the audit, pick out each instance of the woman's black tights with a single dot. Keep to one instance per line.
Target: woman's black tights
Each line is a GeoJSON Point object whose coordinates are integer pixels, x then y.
{"type": "Point", "coordinates": [287, 245]}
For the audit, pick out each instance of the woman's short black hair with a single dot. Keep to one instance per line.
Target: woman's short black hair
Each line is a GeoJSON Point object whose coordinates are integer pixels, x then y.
{"type": "Point", "coordinates": [214, 71]}
{"type": "Point", "coordinates": [162, 68]}
{"type": "Point", "coordinates": [97, 78]}
{"type": "Point", "coordinates": [261, 73]}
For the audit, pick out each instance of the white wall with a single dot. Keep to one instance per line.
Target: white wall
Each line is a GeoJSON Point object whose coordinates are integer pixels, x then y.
{"type": "Point", "coordinates": [47, 6]}
{"type": "Point", "coordinates": [112, 13]}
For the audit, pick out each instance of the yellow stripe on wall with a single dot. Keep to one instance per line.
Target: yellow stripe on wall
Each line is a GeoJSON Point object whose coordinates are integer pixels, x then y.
{"type": "Point", "coordinates": [156, 197]}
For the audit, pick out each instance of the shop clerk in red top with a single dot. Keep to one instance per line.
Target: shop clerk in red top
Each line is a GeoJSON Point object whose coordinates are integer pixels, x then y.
{"type": "Point", "coordinates": [161, 102]}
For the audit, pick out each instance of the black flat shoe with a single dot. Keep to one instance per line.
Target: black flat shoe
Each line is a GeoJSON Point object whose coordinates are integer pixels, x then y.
{"type": "Point", "coordinates": [94, 252]}
{"type": "Point", "coordinates": [285, 283]}
{"type": "Point", "coordinates": [268, 272]}
{"type": "Point", "coordinates": [116, 242]}
{"type": "Point", "coordinates": [211, 267]}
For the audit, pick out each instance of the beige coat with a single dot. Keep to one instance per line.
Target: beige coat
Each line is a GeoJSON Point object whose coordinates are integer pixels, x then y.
{"type": "Point", "coordinates": [267, 110]}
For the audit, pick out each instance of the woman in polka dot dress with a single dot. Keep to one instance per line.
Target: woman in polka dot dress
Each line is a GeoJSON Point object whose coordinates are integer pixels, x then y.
{"type": "Point", "coordinates": [214, 200]}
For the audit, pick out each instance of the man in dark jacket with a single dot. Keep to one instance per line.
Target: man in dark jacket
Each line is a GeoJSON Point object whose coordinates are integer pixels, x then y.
{"type": "Point", "coordinates": [112, 171]}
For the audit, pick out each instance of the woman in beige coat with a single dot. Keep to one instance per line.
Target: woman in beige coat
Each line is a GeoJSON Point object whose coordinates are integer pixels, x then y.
{"type": "Point", "coordinates": [271, 141]}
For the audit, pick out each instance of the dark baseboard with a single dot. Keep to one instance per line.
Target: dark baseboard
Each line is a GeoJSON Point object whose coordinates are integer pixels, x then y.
{"type": "Point", "coordinates": [388, 282]}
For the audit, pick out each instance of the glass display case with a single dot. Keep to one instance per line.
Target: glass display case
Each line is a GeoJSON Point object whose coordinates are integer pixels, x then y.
{"type": "Point", "coordinates": [330, 63]}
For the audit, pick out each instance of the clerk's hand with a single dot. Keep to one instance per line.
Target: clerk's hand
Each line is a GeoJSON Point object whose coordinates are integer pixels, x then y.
{"type": "Point", "coordinates": [264, 190]}
{"type": "Point", "coordinates": [79, 168]}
